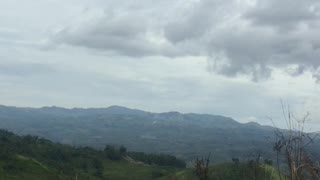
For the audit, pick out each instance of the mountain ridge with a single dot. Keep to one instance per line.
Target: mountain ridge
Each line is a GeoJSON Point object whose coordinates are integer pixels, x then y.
{"type": "Point", "coordinates": [117, 109]}
{"type": "Point", "coordinates": [185, 135]}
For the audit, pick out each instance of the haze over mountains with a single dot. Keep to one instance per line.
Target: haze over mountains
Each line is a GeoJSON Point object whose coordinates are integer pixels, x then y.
{"type": "Point", "coordinates": [183, 135]}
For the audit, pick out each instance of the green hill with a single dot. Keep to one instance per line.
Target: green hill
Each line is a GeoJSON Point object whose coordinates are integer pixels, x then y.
{"type": "Point", "coordinates": [33, 158]}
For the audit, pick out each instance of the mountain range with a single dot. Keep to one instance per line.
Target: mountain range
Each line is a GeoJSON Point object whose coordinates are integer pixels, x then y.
{"type": "Point", "coordinates": [186, 136]}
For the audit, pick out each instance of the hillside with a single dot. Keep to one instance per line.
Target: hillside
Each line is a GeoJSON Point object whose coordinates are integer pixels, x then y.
{"type": "Point", "coordinates": [232, 171]}
{"type": "Point", "coordinates": [34, 158]}
{"type": "Point", "coordinates": [183, 135]}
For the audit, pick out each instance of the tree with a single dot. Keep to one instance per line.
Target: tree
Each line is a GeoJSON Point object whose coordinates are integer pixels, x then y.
{"type": "Point", "coordinates": [293, 146]}
{"type": "Point", "coordinates": [123, 150]}
{"type": "Point", "coordinates": [201, 167]}
{"type": "Point", "coordinates": [112, 153]}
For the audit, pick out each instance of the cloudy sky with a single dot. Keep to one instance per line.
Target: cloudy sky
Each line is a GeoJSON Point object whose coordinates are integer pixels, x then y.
{"type": "Point", "coordinates": [236, 58]}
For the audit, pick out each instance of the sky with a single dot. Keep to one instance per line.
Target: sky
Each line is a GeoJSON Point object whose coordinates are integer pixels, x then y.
{"type": "Point", "coordinates": [237, 58]}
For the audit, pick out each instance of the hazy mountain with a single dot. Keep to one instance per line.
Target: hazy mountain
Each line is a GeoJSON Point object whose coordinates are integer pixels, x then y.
{"type": "Point", "coordinates": [183, 135]}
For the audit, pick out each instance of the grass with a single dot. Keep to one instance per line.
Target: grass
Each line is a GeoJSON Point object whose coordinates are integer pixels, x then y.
{"type": "Point", "coordinates": [125, 170]}
{"type": "Point", "coordinates": [25, 168]}
{"type": "Point", "coordinates": [231, 171]}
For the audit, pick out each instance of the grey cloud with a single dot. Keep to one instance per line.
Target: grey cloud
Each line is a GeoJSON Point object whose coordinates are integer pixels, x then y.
{"type": "Point", "coordinates": [256, 51]}
{"type": "Point", "coordinates": [284, 13]}
{"type": "Point", "coordinates": [126, 36]}
{"type": "Point", "coordinates": [243, 39]}
{"type": "Point", "coordinates": [126, 30]}
{"type": "Point", "coordinates": [24, 69]}
{"type": "Point", "coordinates": [194, 22]}
{"type": "Point", "coordinates": [145, 30]}
{"type": "Point", "coordinates": [316, 75]}
{"type": "Point", "coordinates": [122, 35]}
{"type": "Point", "coordinates": [273, 39]}
{"type": "Point", "coordinates": [296, 71]}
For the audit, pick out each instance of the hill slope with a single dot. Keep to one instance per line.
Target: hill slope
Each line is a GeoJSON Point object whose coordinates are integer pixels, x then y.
{"type": "Point", "coordinates": [33, 158]}
{"type": "Point", "coordinates": [233, 171]}
{"type": "Point", "coordinates": [183, 135]}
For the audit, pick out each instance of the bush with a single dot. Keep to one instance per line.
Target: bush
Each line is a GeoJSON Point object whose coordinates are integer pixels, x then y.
{"type": "Point", "coordinates": [112, 153]}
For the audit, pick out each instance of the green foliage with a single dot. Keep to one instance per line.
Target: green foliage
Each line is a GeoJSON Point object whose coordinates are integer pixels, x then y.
{"type": "Point", "coordinates": [34, 158]}
{"type": "Point", "coordinates": [235, 171]}
{"type": "Point", "coordinates": [123, 150]}
{"type": "Point", "coordinates": [268, 162]}
{"type": "Point", "coordinates": [130, 171]}
{"type": "Point", "coordinates": [158, 159]}
{"type": "Point", "coordinates": [112, 153]}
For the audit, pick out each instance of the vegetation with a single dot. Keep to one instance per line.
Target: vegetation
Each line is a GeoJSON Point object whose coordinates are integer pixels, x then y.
{"type": "Point", "coordinates": [31, 157]}
{"type": "Point", "coordinates": [294, 146]}
{"type": "Point", "coordinates": [161, 159]}
{"type": "Point", "coordinates": [235, 171]}
{"type": "Point", "coordinates": [201, 167]}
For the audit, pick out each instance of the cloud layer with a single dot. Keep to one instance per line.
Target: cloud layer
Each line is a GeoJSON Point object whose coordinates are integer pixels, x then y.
{"type": "Point", "coordinates": [240, 37]}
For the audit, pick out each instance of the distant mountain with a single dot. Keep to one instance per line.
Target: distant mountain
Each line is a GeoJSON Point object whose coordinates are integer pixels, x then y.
{"type": "Point", "coordinates": [183, 135]}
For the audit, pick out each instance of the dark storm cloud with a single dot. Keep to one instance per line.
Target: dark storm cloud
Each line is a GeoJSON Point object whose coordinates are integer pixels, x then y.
{"type": "Point", "coordinates": [240, 38]}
